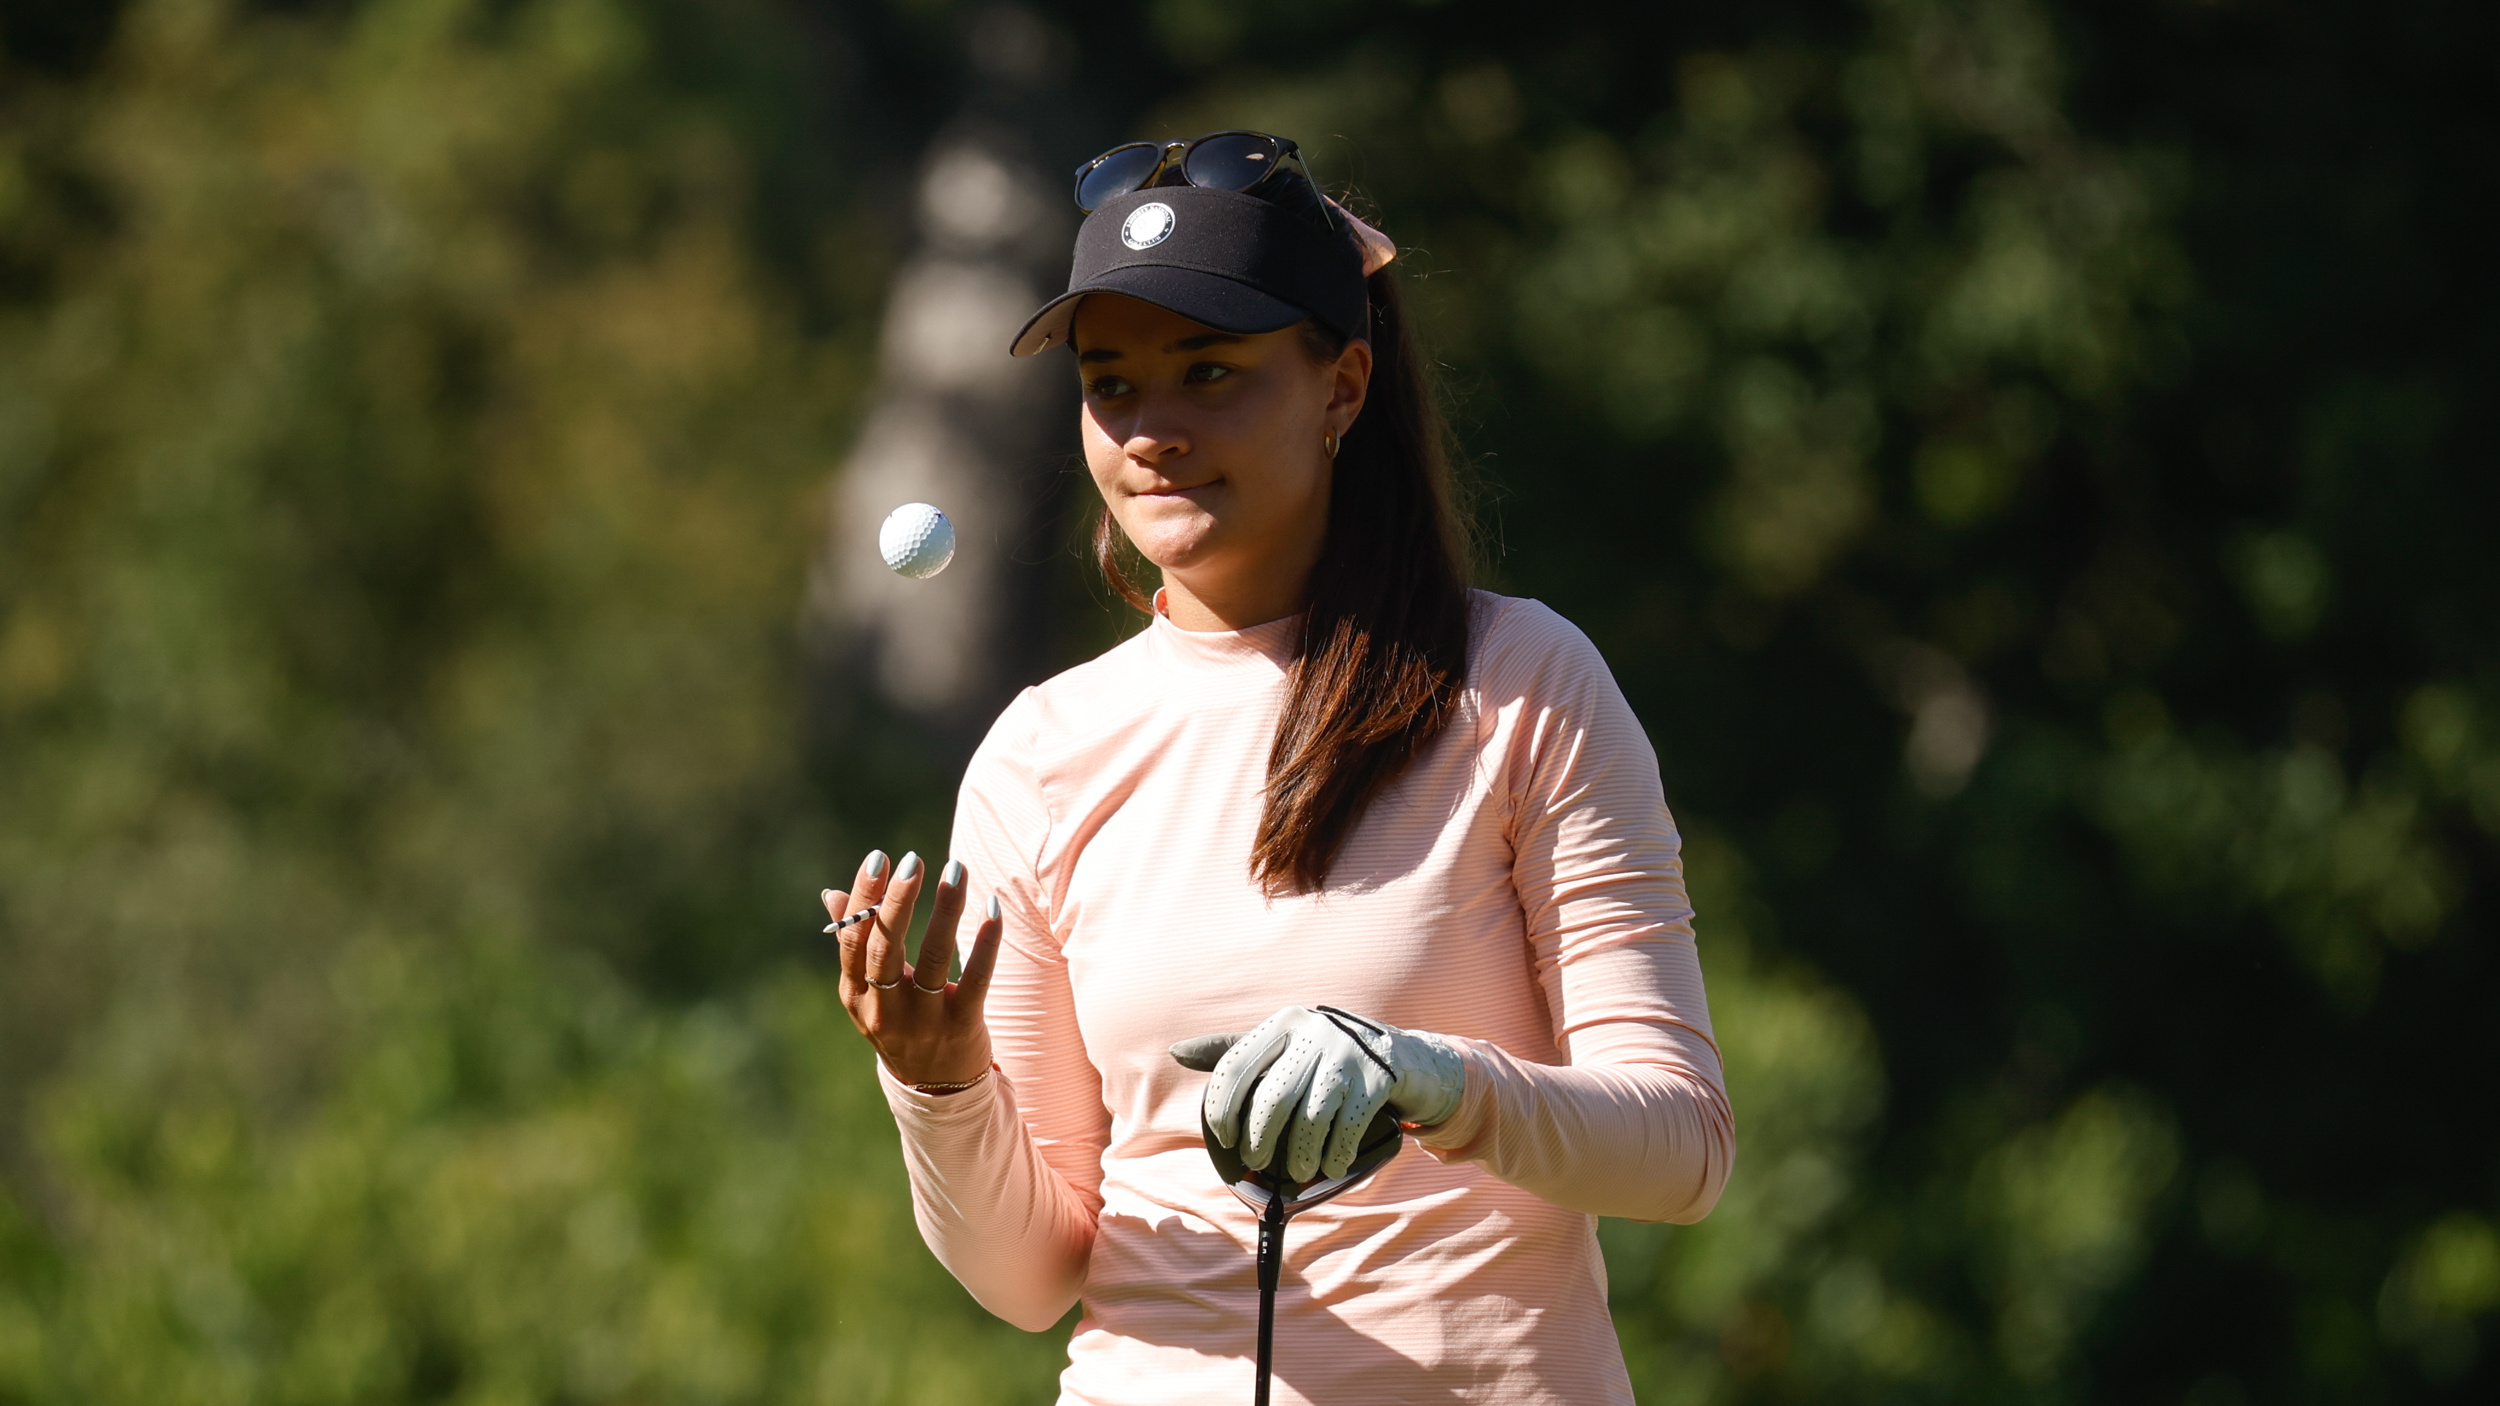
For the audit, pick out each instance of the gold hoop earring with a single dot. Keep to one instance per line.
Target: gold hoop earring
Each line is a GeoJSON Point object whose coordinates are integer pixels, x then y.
{"type": "Point", "coordinates": [1330, 444]}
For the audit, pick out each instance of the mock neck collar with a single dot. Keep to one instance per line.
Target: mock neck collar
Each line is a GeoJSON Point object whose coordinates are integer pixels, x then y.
{"type": "Point", "coordinates": [1270, 647]}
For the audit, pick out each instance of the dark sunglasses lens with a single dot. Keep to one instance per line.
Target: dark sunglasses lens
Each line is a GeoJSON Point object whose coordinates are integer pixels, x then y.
{"type": "Point", "coordinates": [1121, 170]}
{"type": "Point", "coordinates": [1232, 161]}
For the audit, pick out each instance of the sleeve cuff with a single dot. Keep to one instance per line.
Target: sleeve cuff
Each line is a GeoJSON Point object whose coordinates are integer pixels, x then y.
{"type": "Point", "coordinates": [913, 1109]}
{"type": "Point", "coordinates": [1460, 1137]}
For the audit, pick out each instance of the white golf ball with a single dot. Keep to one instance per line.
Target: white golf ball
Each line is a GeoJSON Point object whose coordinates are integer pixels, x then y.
{"type": "Point", "coordinates": [917, 541]}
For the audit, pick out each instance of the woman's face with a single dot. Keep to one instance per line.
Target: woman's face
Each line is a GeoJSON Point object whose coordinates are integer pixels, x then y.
{"type": "Point", "coordinates": [1209, 447]}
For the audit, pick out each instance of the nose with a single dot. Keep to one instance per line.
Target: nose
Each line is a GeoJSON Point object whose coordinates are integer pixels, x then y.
{"type": "Point", "coordinates": [1158, 435]}
{"type": "Point", "coordinates": [1154, 449]}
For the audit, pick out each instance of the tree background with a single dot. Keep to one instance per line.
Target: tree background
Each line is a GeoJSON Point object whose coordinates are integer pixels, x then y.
{"type": "Point", "coordinates": [2016, 456]}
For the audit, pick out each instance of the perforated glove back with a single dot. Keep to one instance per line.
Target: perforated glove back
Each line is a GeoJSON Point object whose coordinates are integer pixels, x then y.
{"type": "Point", "coordinates": [1308, 1081]}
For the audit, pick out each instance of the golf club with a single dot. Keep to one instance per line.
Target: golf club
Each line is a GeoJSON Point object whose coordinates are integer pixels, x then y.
{"type": "Point", "coordinates": [1278, 1198]}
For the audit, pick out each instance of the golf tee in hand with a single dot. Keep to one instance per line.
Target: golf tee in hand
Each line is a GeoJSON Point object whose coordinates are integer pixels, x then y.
{"type": "Point", "coordinates": [1307, 1082]}
{"type": "Point", "coordinates": [930, 1032]}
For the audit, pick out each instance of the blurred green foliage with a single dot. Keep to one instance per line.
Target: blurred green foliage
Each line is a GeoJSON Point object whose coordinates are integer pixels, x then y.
{"type": "Point", "coordinates": [409, 445]}
{"type": "Point", "coordinates": [409, 462]}
{"type": "Point", "coordinates": [2015, 455]}
{"type": "Point", "coordinates": [522, 1184]}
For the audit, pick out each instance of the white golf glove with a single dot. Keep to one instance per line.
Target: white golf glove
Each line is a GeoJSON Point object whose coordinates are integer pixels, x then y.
{"type": "Point", "coordinates": [1311, 1081]}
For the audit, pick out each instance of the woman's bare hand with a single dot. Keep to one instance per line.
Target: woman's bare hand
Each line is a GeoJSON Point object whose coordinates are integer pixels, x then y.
{"type": "Point", "coordinates": [927, 1030]}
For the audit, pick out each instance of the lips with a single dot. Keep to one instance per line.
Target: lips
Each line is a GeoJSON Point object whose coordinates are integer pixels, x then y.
{"type": "Point", "coordinates": [1170, 490]}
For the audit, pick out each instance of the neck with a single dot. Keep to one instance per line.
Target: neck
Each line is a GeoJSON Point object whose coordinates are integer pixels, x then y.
{"type": "Point", "coordinates": [1236, 600]}
{"type": "Point", "coordinates": [1202, 605]}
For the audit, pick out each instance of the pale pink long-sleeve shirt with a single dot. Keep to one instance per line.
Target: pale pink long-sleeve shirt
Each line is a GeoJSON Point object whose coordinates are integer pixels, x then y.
{"type": "Point", "coordinates": [1518, 890]}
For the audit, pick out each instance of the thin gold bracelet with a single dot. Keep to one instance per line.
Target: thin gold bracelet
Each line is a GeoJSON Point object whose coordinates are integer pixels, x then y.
{"type": "Point", "coordinates": [951, 1088]}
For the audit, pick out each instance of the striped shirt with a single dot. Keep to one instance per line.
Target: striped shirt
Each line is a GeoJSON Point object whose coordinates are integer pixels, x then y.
{"type": "Point", "coordinates": [1519, 890]}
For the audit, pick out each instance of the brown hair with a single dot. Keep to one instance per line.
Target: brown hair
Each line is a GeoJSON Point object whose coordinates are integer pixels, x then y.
{"type": "Point", "coordinates": [1384, 637]}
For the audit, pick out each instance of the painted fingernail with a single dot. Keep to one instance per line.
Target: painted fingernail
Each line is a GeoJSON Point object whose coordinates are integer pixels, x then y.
{"type": "Point", "coordinates": [876, 864]}
{"type": "Point", "coordinates": [993, 908]}
{"type": "Point", "coordinates": [953, 875]}
{"type": "Point", "coordinates": [909, 868]}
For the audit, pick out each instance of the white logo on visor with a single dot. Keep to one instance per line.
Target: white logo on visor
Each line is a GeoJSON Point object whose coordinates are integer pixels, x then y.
{"type": "Point", "coordinates": [1147, 226]}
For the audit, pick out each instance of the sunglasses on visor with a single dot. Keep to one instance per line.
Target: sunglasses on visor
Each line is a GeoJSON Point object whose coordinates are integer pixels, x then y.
{"type": "Point", "coordinates": [1236, 161]}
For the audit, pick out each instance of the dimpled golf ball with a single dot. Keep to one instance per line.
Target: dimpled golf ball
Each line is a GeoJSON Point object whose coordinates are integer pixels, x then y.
{"type": "Point", "coordinates": [917, 541]}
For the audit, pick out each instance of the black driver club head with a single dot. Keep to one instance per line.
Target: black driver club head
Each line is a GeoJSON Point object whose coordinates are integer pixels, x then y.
{"type": "Point", "coordinates": [1381, 1140]}
{"type": "Point", "coordinates": [1273, 1197]}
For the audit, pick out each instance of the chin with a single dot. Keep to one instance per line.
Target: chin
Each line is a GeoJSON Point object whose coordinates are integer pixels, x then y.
{"type": "Point", "coordinates": [1175, 541]}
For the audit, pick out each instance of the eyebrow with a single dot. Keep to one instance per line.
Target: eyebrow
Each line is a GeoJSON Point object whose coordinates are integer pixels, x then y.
{"type": "Point", "coordinates": [1199, 342]}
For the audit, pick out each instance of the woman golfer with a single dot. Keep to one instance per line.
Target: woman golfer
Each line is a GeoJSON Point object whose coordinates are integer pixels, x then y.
{"type": "Point", "coordinates": [1326, 774]}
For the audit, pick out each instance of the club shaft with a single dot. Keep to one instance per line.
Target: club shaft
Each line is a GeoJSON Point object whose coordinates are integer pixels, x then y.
{"type": "Point", "coordinates": [1271, 1269]}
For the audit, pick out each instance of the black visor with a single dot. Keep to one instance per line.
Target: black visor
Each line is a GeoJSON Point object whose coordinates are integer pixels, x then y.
{"type": "Point", "coordinates": [1234, 262]}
